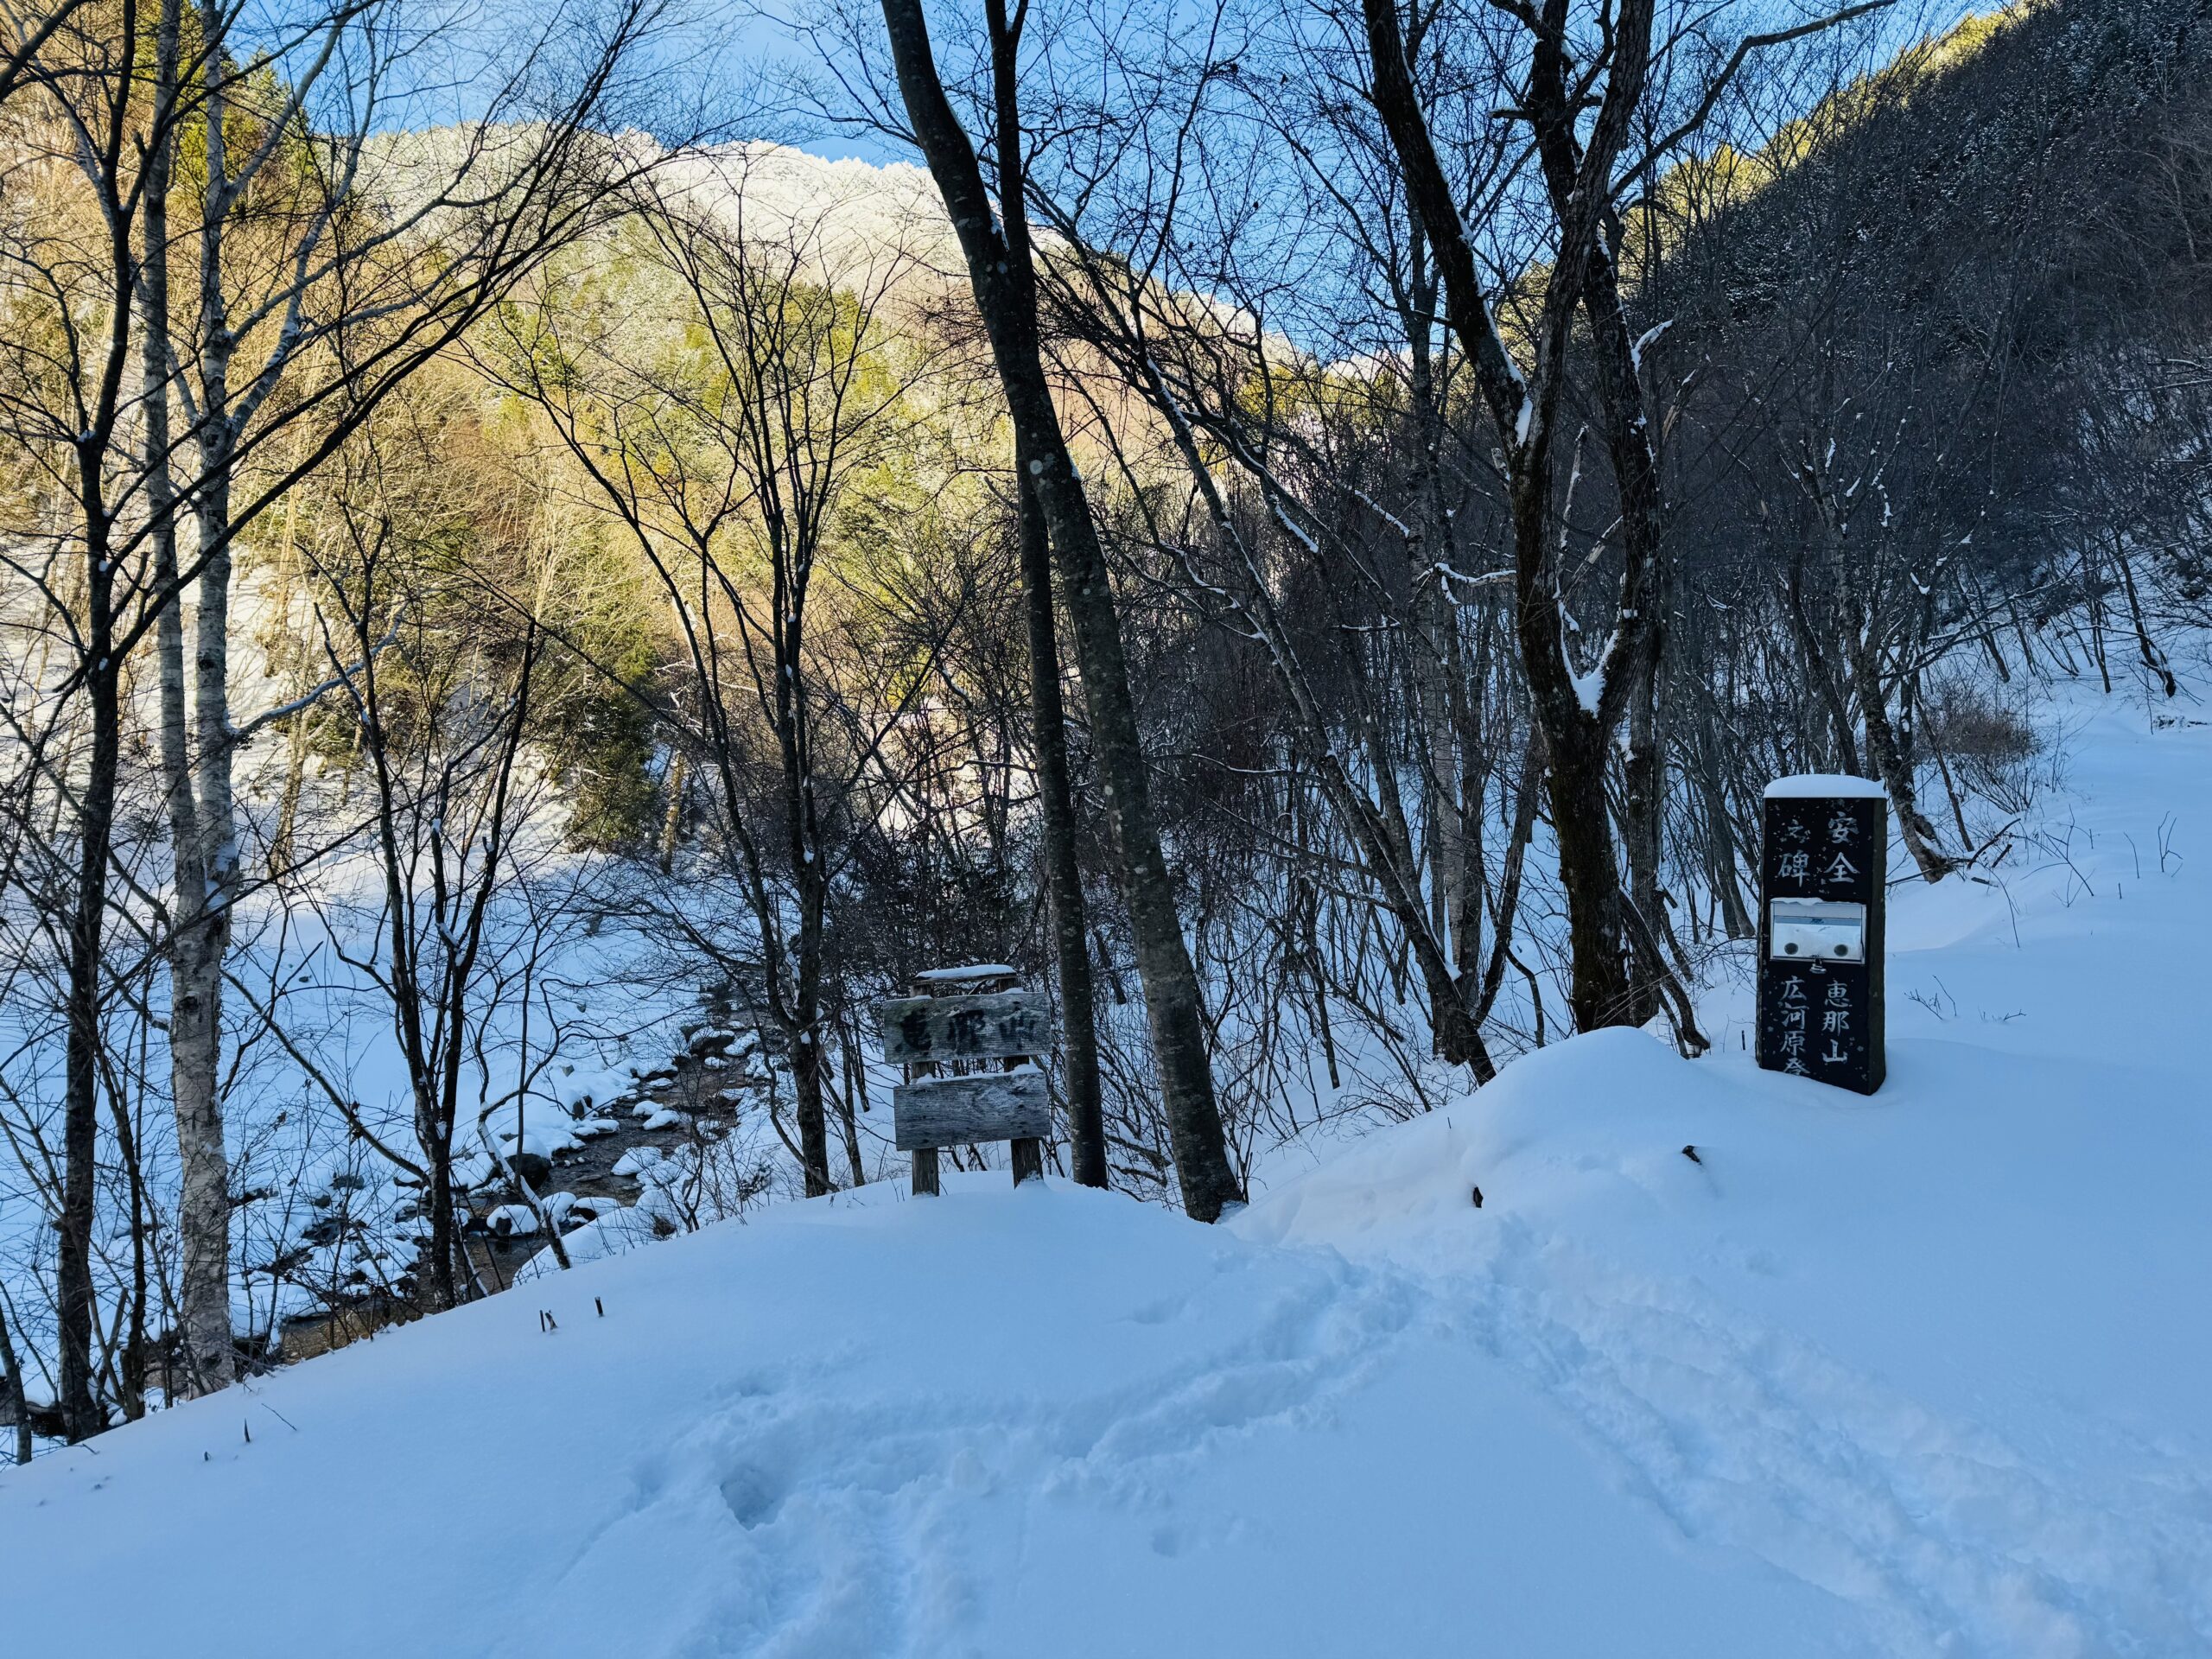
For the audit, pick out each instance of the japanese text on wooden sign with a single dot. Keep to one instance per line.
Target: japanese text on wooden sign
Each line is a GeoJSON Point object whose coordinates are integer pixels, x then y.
{"type": "Point", "coordinates": [1006, 1025]}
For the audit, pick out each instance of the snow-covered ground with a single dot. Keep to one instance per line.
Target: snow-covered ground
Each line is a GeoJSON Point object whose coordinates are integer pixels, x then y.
{"type": "Point", "coordinates": [1926, 1374]}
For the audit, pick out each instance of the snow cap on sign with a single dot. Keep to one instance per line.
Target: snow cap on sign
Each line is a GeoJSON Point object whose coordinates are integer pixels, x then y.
{"type": "Point", "coordinates": [1812, 785]}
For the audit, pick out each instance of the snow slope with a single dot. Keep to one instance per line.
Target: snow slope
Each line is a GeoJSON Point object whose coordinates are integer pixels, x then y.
{"type": "Point", "coordinates": [1925, 1374]}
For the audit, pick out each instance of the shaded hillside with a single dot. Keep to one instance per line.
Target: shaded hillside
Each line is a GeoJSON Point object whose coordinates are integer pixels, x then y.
{"type": "Point", "coordinates": [1977, 282]}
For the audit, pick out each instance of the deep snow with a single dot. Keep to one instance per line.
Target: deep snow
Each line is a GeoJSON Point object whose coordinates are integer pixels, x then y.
{"type": "Point", "coordinates": [1922, 1374]}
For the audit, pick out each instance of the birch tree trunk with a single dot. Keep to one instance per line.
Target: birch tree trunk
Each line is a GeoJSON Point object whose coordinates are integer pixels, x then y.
{"type": "Point", "coordinates": [196, 765]}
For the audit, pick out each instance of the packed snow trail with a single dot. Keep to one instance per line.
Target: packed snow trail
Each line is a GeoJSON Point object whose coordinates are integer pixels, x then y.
{"type": "Point", "coordinates": [1949, 1533]}
{"type": "Point", "coordinates": [1921, 1375]}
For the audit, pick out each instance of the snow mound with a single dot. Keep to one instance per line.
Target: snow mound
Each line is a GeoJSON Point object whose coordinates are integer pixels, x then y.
{"type": "Point", "coordinates": [1916, 1351]}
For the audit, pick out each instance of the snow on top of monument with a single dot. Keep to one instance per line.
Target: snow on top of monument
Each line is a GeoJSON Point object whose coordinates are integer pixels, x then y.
{"type": "Point", "coordinates": [964, 972]}
{"type": "Point", "coordinates": [1822, 784]}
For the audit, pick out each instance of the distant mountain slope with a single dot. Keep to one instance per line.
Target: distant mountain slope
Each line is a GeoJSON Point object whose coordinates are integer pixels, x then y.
{"type": "Point", "coordinates": [855, 210]}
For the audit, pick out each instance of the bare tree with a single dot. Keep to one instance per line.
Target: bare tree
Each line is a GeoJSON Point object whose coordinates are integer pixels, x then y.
{"type": "Point", "coordinates": [337, 280]}
{"type": "Point", "coordinates": [731, 473]}
{"type": "Point", "coordinates": [1002, 272]}
{"type": "Point", "coordinates": [1578, 712]}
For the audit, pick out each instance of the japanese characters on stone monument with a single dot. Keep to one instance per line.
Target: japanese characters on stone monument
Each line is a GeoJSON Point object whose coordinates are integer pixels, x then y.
{"type": "Point", "coordinates": [1821, 903]}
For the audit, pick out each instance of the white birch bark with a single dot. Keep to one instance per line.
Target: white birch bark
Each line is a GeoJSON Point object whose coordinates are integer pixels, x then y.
{"type": "Point", "coordinates": [196, 970]}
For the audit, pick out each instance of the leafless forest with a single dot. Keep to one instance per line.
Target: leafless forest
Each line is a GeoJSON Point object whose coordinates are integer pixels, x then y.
{"type": "Point", "coordinates": [527, 605]}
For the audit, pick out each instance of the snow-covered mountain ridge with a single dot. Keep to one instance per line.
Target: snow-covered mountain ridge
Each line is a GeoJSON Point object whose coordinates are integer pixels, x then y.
{"type": "Point", "coordinates": [1922, 1374]}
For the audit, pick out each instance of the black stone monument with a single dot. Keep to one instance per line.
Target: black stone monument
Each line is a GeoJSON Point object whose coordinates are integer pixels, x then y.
{"type": "Point", "coordinates": [1821, 929]}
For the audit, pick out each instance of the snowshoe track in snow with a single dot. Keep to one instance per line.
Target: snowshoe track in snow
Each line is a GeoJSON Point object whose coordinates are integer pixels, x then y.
{"type": "Point", "coordinates": [1954, 1541]}
{"type": "Point", "coordinates": [849, 1522]}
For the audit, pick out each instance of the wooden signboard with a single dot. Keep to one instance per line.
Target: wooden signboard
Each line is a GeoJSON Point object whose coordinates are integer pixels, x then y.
{"type": "Point", "coordinates": [960, 1111]}
{"type": "Point", "coordinates": [957, 1041]}
{"type": "Point", "coordinates": [1009, 1025]}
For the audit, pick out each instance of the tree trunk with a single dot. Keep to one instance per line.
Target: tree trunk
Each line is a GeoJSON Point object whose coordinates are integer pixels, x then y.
{"type": "Point", "coordinates": [1469, 675]}
{"type": "Point", "coordinates": [1599, 990]}
{"type": "Point", "coordinates": [1522, 407]}
{"type": "Point", "coordinates": [671, 825]}
{"type": "Point", "coordinates": [202, 827]}
{"type": "Point", "coordinates": [1720, 862]}
{"type": "Point", "coordinates": [1079, 1020]}
{"type": "Point", "coordinates": [1440, 666]}
{"type": "Point", "coordinates": [81, 1417]}
{"type": "Point", "coordinates": [11, 1379]}
{"type": "Point", "coordinates": [848, 1114]}
{"type": "Point", "coordinates": [445, 1285]}
{"type": "Point", "coordinates": [129, 1372]}
{"type": "Point", "coordinates": [809, 871]}
{"type": "Point", "coordinates": [1642, 780]}
{"type": "Point", "coordinates": [807, 1073]}
{"type": "Point", "coordinates": [1893, 763]}
{"type": "Point", "coordinates": [1004, 282]}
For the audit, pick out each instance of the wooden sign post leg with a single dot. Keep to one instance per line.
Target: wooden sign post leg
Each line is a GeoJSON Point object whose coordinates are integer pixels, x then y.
{"type": "Point", "coordinates": [1027, 1151]}
{"type": "Point", "coordinates": [924, 1157]}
